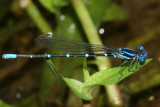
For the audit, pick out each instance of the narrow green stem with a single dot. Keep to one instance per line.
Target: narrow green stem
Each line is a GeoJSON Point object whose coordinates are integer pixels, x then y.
{"type": "Point", "coordinates": [85, 71]}
{"type": "Point", "coordinates": [54, 70]}
{"type": "Point", "coordinates": [86, 22]}
{"type": "Point", "coordinates": [38, 19]}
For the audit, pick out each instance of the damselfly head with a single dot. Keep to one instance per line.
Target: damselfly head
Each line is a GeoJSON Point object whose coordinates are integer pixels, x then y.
{"type": "Point", "coordinates": [142, 54]}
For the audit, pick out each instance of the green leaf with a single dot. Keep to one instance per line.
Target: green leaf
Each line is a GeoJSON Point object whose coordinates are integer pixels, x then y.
{"type": "Point", "coordinates": [105, 77]}
{"type": "Point", "coordinates": [53, 5]}
{"type": "Point", "coordinates": [111, 76]}
{"type": "Point", "coordinates": [77, 87]}
{"type": "Point", "coordinates": [115, 12]}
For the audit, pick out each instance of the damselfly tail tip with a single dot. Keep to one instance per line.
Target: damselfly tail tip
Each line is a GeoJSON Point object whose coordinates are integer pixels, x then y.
{"type": "Point", "coordinates": [4, 56]}
{"type": "Point", "coordinates": [8, 56]}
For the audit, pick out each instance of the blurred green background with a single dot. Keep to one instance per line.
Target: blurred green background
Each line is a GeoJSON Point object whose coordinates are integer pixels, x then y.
{"type": "Point", "coordinates": [118, 23]}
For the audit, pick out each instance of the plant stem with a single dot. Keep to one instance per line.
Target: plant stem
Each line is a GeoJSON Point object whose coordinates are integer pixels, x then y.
{"type": "Point", "coordinates": [93, 37]}
{"type": "Point", "coordinates": [115, 96]}
{"type": "Point", "coordinates": [86, 103]}
{"type": "Point", "coordinates": [38, 19]}
{"type": "Point", "coordinates": [90, 30]}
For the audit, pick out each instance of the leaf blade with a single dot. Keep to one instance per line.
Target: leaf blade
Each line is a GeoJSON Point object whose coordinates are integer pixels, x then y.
{"type": "Point", "coordinates": [110, 76]}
